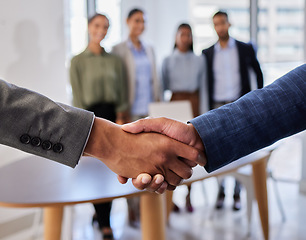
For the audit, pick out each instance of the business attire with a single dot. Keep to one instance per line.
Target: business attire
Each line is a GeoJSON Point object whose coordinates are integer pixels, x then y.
{"type": "Point", "coordinates": [229, 71]}
{"type": "Point", "coordinates": [256, 120]}
{"type": "Point", "coordinates": [143, 83]}
{"type": "Point", "coordinates": [35, 124]}
{"type": "Point", "coordinates": [184, 75]}
{"type": "Point", "coordinates": [98, 85]}
{"type": "Point", "coordinates": [98, 80]}
{"type": "Point", "coordinates": [228, 79]}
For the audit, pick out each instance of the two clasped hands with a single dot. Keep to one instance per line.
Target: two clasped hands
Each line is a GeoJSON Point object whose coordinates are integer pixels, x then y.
{"type": "Point", "coordinates": [157, 153]}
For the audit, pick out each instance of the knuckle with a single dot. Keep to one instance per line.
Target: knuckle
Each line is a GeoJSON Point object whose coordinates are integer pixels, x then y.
{"type": "Point", "coordinates": [163, 159]}
{"type": "Point", "coordinates": [194, 153]}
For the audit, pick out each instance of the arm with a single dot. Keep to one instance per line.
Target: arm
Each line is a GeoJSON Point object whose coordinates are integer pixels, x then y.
{"type": "Point", "coordinates": [256, 120]}
{"type": "Point", "coordinates": [165, 76]}
{"type": "Point", "coordinates": [68, 129]}
{"type": "Point", "coordinates": [62, 130]}
{"type": "Point", "coordinates": [203, 85]}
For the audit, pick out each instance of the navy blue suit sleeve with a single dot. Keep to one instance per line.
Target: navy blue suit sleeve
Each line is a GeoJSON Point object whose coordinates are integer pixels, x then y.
{"type": "Point", "coordinates": [256, 120]}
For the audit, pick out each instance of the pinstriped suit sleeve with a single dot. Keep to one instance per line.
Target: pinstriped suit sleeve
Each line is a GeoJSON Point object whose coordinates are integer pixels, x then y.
{"type": "Point", "coordinates": [64, 128]}
{"type": "Point", "coordinates": [254, 121]}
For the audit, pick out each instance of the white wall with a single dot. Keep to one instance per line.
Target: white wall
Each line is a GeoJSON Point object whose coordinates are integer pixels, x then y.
{"type": "Point", "coordinates": [32, 55]}
{"type": "Point", "coordinates": [32, 50]}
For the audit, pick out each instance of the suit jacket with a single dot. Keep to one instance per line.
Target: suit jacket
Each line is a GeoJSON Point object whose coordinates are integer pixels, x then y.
{"type": "Point", "coordinates": [124, 52]}
{"type": "Point", "coordinates": [247, 60]}
{"type": "Point", "coordinates": [35, 124]}
{"type": "Point", "coordinates": [256, 120]}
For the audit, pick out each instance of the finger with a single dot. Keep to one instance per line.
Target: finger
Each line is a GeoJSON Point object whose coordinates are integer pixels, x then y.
{"type": "Point", "coordinates": [187, 162]}
{"type": "Point", "coordinates": [190, 153]}
{"type": "Point", "coordinates": [178, 167]}
{"type": "Point", "coordinates": [145, 125]}
{"type": "Point", "coordinates": [172, 178]}
{"type": "Point", "coordinates": [156, 183]}
{"type": "Point", "coordinates": [142, 181]}
{"type": "Point", "coordinates": [122, 180]}
{"type": "Point", "coordinates": [162, 188]}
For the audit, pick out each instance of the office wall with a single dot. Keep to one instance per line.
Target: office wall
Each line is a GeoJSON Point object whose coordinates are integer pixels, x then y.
{"type": "Point", "coordinates": [32, 50]}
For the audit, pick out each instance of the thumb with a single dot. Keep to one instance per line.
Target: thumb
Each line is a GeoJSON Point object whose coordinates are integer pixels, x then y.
{"type": "Point", "coordinates": [144, 125]}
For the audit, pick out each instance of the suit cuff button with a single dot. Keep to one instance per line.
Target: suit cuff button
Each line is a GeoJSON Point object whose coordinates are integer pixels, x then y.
{"type": "Point", "coordinates": [58, 147]}
{"type": "Point", "coordinates": [36, 141]}
{"type": "Point", "coordinates": [46, 145]}
{"type": "Point", "coordinates": [25, 138]}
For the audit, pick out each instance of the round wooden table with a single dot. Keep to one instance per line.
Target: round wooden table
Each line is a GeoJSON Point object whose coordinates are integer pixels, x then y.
{"type": "Point", "coordinates": [38, 182]}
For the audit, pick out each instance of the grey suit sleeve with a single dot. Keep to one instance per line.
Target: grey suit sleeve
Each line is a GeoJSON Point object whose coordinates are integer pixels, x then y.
{"type": "Point", "coordinates": [254, 121]}
{"type": "Point", "coordinates": [35, 124]}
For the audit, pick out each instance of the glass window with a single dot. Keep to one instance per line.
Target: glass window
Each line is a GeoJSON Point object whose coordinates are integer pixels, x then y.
{"type": "Point", "coordinates": [201, 20]}
{"type": "Point", "coordinates": [280, 30]}
{"type": "Point", "coordinates": [280, 36]}
{"type": "Point", "coordinates": [77, 27]}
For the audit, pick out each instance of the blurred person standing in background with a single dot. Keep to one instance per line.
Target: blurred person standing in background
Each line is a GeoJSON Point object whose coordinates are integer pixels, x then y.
{"type": "Point", "coordinates": [229, 65]}
{"type": "Point", "coordinates": [139, 60]}
{"type": "Point", "coordinates": [99, 85]}
{"type": "Point", "coordinates": [143, 85]}
{"type": "Point", "coordinates": [184, 75]}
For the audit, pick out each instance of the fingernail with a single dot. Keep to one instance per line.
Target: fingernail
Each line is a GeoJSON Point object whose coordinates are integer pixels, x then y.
{"type": "Point", "coordinates": [159, 180]}
{"type": "Point", "coordinates": [201, 159]}
{"type": "Point", "coordinates": [145, 179]}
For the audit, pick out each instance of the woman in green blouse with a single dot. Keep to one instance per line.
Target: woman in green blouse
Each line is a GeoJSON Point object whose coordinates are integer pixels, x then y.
{"type": "Point", "coordinates": [98, 85]}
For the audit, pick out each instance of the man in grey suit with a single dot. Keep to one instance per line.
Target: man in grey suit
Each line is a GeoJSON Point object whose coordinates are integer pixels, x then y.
{"type": "Point", "coordinates": [254, 121]}
{"type": "Point", "coordinates": [35, 124]}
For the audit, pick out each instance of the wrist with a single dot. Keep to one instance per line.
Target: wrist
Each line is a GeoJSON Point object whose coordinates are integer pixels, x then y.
{"type": "Point", "coordinates": [97, 138]}
{"type": "Point", "coordinates": [89, 148]}
{"type": "Point", "coordinates": [198, 143]}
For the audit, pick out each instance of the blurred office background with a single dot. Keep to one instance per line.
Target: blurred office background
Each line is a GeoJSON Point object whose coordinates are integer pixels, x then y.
{"type": "Point", "coordinates": [38, 39]}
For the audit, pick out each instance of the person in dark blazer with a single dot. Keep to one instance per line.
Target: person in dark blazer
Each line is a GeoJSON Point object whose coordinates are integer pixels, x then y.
{"type": "Point", "coordinates": [229, 66]}
{"type": "Point", "coordinates": [246, 61]}
{"type": "Point", "coordinates": [256, 120]}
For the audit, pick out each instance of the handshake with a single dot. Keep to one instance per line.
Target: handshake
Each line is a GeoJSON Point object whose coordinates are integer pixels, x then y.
{"type": "Point", "coordinates": [157, 153]}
